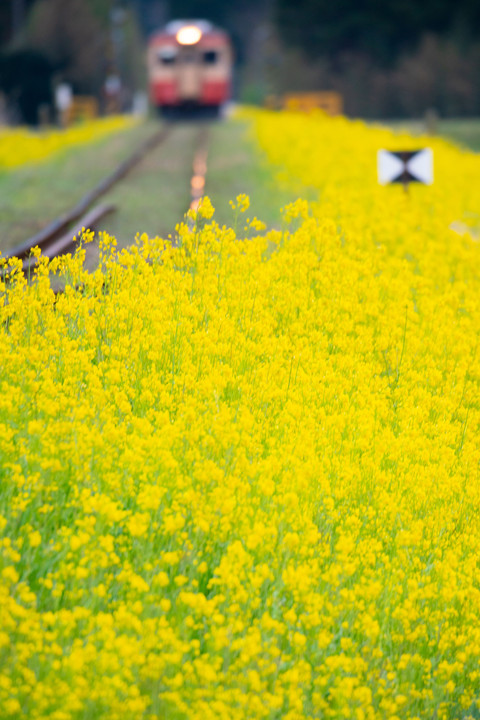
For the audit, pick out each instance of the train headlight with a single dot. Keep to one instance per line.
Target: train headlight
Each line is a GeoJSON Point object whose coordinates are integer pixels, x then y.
{"type": "Point", "coordinates": [189, 35]}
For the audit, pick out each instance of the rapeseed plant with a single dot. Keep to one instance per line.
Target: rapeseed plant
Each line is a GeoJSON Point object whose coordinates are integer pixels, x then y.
{"type": "Point", "coordinates": [21, 146]}
{"type": "Point", "coordinates": [240, 477]}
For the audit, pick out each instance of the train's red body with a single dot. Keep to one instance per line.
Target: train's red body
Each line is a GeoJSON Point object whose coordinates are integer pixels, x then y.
{"type": "Point", "coordinates": [189, 66]}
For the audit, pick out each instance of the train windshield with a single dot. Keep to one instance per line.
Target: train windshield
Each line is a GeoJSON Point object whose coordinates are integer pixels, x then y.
{"type": "Point", "coordinates": [210, 57]}
{"type": "Point", "coordinates": [167, 56]}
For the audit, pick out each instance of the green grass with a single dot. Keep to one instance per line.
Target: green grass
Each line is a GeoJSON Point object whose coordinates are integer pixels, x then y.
{"type": "Point", "coordinates": [464, 131]}
{"type": "Point", "coordinates": [154, 197]}
{"type": "Point", "coordinates": [235, 167]}
{"type": "Point", "coordinates": [32, 196]}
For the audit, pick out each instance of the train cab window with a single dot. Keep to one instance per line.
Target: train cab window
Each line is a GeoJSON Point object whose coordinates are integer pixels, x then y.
{"type": "Point", "coordinates": [167, 56]}
{"type": "Point", "coordinates": [210, 57]}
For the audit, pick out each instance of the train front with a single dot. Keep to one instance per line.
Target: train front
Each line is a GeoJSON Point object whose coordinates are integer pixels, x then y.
{"type": "Point", "coordinates": [190, 67]}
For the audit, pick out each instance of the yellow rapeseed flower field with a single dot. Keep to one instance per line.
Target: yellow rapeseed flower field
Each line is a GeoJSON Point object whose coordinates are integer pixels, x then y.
{"type": "Point", "coordinates": [21, 146]}
{"type": "Point", "coordinates": [240, 475]}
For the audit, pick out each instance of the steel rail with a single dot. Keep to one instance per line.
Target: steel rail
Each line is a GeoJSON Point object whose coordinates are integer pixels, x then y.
{"type": "Point", "coordinates": [61, 224]}
{"type": "Point", "coordinates": [62, 244]}
{"type": "Point", "coordinates": [197, 182]}
{"type": "Point", "coordinates": [58, 237]}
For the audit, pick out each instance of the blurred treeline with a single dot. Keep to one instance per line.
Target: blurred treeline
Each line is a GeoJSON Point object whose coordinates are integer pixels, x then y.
{"type": "Point", "coordinates": [77, 42]}
{"type": "Point", "coordinates": [390, 58]}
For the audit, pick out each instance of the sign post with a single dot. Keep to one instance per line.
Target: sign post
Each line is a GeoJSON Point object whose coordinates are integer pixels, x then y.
{"type": "Point", "coordinates": [405, 166]}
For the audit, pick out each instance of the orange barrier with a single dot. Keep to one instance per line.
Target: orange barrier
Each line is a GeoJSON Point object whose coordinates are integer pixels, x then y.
{"type": "Point", "coordinates": [83, 107]}
{"type": "Point", "coordinates": [329, 101]}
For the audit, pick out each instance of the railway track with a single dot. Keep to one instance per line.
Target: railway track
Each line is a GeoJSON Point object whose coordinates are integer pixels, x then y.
{"type": "Point", "coordinates": [57, 238]}
{"type": "Point", "coordinates": [197, 183]}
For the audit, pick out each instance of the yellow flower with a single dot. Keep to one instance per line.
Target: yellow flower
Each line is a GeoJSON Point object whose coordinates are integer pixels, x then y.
{"type": "Point", "coordinates": [205, 208]}
{"type": "Point", "coordinates": [34, 539]}
{"type": "Point", "coordinates": [247, 468]}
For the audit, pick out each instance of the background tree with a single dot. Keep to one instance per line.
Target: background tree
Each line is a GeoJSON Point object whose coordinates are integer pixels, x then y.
{"type": "Point", "coordinates": [379, 29]}
{"type": "Point", "coordinates": [71, 36]}
{"type": "Point", "coordinates": [386, 57]}
{"type": "Point", "coordinates": [25, 80]}
{"type": "Point", "coordinates": [87, 40]}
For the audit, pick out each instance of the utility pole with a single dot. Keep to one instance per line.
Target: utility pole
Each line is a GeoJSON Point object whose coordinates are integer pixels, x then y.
{"type": "Point", "coordinates": [117, 18]}
{"type": "Point", "coordinates": [18, 16]}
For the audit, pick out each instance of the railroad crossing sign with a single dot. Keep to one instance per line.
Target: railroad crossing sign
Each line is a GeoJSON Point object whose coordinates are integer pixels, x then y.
{"type": "Point", "coordinates": [405, 166]}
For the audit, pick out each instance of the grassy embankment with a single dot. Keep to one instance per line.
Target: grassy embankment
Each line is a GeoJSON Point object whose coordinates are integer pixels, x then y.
{"type": "Point", "coordinates": [154, 196]}
{"type": "Point", "coordinates": [464, 131]}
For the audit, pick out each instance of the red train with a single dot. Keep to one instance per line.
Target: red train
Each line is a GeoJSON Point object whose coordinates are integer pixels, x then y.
{"type": "Point", "coordinates": [189, 67]}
